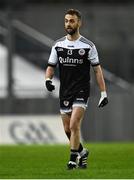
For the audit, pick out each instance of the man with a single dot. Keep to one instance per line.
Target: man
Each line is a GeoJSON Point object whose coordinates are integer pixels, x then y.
{"type": "Point", "coordinates": [74, 54]}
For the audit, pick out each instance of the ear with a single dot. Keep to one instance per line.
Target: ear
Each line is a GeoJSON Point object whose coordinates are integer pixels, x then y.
{"type": "Point", "coordinates": [80, 23]}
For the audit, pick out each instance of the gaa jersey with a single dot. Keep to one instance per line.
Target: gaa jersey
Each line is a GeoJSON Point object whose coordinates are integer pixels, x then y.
{"type": "Point", "coordinates": [74, 59]}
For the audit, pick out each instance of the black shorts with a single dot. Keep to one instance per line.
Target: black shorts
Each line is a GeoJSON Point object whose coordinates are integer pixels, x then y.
{"type": "Point", "coordinates": [80, 99]}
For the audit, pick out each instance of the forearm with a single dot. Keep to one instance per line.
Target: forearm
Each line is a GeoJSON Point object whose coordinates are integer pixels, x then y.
{"type": "Point", "coordinates": [101, 83]}
{"type": "Point", "coordinates": [49, 72]}
{"type": "Point", "coordinates": [100, 78]}
{"type": "Point", "coordinates": [48, 76]}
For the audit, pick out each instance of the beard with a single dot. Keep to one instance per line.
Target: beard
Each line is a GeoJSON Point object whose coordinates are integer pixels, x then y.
{"type": "Point", "coordinates": [71, 31]}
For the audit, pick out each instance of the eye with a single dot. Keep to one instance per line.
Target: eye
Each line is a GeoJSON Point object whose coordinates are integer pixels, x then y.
{"type": "Point", "coordinates": [72, 21]}
{"type": "Point", "coordinates": [66, 20]}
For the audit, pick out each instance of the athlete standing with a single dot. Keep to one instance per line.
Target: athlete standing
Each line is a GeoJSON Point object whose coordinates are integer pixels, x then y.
{"type": "Point", "coordinates": [74, 54]}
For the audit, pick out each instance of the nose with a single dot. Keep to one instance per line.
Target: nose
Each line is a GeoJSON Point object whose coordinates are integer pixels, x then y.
{"type": "Point", "coordinates": [67, 23]}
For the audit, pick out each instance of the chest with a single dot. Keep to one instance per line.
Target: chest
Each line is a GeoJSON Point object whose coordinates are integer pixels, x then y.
{"type": "Point", "coordinates": [72, 57]}
{"type": "Point", "coordinates": [80, 53]}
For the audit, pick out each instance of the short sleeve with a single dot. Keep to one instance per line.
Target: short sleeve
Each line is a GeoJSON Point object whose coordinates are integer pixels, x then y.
{"type": "Point", "coordinates": [93, 56]}
{"type": "Point", "coordinates": [53, 59]}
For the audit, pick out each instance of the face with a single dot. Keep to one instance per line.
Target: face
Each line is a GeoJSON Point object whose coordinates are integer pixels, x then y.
{"type": "Point", "coordinates": [72, 24]}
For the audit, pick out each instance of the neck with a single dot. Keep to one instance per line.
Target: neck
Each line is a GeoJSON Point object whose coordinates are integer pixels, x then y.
{"type": "Point", "coordinates": [73, 37]}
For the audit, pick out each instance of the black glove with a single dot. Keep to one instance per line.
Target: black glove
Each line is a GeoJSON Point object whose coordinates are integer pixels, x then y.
{"type": "Point", "coordinates": [103, 100]}
{"type": "Point", "coordinates": [49, 85]}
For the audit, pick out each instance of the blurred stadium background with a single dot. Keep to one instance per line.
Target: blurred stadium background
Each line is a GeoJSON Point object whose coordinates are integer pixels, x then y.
{"type": "Point", "coordinates": [28, 113]}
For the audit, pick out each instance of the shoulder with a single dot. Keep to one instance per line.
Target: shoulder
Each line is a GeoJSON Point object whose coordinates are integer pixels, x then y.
{"type": "Point", "coordinates": [59, 41]}
{"type": "Point", "coordinates": [86, 41]}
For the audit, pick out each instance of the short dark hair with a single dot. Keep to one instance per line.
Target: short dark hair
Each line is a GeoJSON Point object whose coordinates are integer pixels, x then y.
{"type": "Point", "coordinates": [74, 12]}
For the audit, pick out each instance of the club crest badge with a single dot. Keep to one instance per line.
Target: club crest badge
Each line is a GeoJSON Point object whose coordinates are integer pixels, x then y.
{"type": "Point", "coordinates": [81, 52]}
{"type": "Point", "coordinates": [66, 103]}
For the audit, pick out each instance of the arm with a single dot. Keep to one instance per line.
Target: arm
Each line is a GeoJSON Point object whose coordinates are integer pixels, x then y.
{"type": "Point", "coordinates": [101, 83]}
{"type": "Point", "coordinates": [99, 78]}
{"type": "Point", "coordinates": [93, 57]}
{"type": "Point", "coordinates": [50, 69]}
{"type": "Point", "coordinates": [49, 72]}
{"type": "Point", "coordinates": [48, 76]}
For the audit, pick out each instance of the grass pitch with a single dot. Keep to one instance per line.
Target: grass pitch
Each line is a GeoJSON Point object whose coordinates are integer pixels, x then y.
{"type": "Point", "coordinates": [112, 160]}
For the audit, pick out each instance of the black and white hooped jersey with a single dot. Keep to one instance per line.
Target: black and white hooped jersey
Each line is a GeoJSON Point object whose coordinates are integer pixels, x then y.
{"type": "Point", "coordinates": [74, 59]}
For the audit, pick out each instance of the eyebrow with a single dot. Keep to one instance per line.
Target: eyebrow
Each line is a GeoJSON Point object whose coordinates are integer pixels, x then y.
{"type": "Point", "coordinates": [69, 19]}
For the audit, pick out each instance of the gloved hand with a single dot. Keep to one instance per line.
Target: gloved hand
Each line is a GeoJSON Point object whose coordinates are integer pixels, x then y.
{"type": "Point", "coordinates": [49, 85]}
{"type": "Point", "coordinates": [103, 100]}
